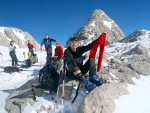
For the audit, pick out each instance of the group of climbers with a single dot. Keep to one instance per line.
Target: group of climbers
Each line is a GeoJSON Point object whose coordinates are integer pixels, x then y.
{"type": "Point", "coordinates": [73, 56]}
{"type": "Point", "coordinates": [12, 53]}
{"type": "Point", "coordinates": [47, 42]}
{"type": "Point", "coordinates": [31, 56]}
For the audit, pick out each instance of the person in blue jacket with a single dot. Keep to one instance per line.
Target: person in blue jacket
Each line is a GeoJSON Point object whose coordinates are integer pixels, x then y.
{"type": "Point", "coordinates": [47, 42]}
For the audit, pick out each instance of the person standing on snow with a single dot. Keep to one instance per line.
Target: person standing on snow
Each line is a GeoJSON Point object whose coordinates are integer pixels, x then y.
{"type": "Point", "coordinates": [30, 46]}
{"type": "Point", "coordinates": [13, 54]}
{"type": "Point", "coordinates": [76, 69]}
{"type": "Point", "coordinates": [48, 46]}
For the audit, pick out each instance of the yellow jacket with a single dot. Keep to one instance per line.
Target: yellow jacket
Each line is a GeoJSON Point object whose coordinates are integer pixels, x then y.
{"type": "Point", "coordinates": [30, 56]}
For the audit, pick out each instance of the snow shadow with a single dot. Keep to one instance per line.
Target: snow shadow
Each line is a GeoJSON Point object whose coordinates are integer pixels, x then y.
{"type": "Point", "coordinates": [1, 67]}
{"type": "Point", "coordinates": [35, 72]}
{"type": "Point", "coordinates": [9, 91]}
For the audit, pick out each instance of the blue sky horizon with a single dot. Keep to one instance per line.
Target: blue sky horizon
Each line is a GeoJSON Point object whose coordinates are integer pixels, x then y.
{"type": "Point", "coordinates": [62, 18]}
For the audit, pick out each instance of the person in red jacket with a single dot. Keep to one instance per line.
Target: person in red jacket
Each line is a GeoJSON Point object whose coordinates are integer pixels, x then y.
{"type": "Point", "coordinates": [57, 56]}
{"type": "Point", "coordinates": [58, 50]}
{"type": "Point", "coordinates": [30, 46]}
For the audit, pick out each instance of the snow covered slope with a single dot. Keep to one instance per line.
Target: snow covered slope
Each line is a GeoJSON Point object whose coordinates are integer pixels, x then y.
{"type": "Point", "coordinates": [20, 37]}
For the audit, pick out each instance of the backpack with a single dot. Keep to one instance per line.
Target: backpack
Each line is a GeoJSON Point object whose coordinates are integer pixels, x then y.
{"type": "Point", "coordinates": [49, 78]}
{"type": "Point", "coordinates": [10, 69]}
{"type": "Point", "coordinates": [35, 59]}
{"type": "Point", "coordinates": [27, 63]}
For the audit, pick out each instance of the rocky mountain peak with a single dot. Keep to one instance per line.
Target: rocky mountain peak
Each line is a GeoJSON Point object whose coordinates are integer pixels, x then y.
{"type": "Point", "coordinates": [97, 23]}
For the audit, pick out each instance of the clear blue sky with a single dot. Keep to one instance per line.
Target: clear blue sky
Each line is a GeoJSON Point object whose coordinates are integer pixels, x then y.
{"type": "Point", "coordinates": [62, 18]}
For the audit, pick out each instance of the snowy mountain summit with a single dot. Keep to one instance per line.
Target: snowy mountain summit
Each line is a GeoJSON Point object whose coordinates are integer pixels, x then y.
{"type": "Point", "coordinates": [97, 23]}
{"type": "Point", "coordinates": [20, 37]}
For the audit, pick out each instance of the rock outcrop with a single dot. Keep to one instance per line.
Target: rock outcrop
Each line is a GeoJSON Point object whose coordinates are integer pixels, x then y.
{"type": "Point", "coordinates": [101, 100]}
{"type": "Point", "coordinates": [20, 37]}
{"type": "Point", "coordinates": [18, 100]}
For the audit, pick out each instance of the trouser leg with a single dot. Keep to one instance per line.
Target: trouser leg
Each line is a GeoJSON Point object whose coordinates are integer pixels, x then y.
{"type": "Point", "coordinates": [49, 52]}
{"type": "Point", "coordinates": [72, 67]}
{"type": "Point", "coordinates": [89, 66]}
{"type": "Point", "coordinates": [31, 49]}
{"type": "Point", "coordinates": [80, 76]}
{"type": "Point", "coordinates": [33, 52]}
{"type": "Point", "coordinates": [12, 57]}
{"type": "Point", "coordinates": [15, 59]}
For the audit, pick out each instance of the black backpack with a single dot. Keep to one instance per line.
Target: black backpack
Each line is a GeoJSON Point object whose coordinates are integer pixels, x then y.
{"type": "Point", "coordinates": [10, 69]}
{"type": "Point", "coordinates": [27, 63]}
{"type": "Point", "coordinates": [49, 78]}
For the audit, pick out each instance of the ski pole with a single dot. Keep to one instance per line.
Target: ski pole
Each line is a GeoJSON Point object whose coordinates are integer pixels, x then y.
{"type": "Point", "coordinates": [40, 58]}
{"type": "Point", "coordinates": [63, 87]}
{"type": "Point", "coordinates": [24, 55]}
{"type": "Point", "coordinates": [76, 93]}
{"type": "Point", "coordinates": [56, 98]}
{"type": "Point", "coordinates": [2, 59]}
{"type": "Point", "coordinates": [23, 63]}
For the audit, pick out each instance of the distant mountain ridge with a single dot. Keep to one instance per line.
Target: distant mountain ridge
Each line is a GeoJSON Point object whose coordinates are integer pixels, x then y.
{"type": "Point", "coordinates": [135, 35]}
{"type": "Point", "coordinates": [20, 37]}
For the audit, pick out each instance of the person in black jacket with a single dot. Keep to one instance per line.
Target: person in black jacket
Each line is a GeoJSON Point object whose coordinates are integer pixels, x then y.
{"type": "Point", "coordinates": [76, 69]}
{"type": "Point", "coordinates": [47, 42]}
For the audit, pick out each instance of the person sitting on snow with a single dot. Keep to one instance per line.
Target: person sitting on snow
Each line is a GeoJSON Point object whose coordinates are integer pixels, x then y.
{"type": "Point", "coordinates": [76, 69]}
{"type": "Point", "coordinates": [30, 57]}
